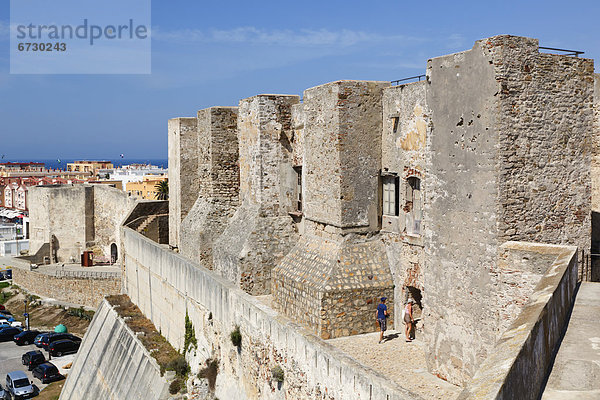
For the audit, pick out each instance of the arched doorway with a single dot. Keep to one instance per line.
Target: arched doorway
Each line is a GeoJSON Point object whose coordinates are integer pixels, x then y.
{"type": "Point", "coordinates": [114, 253]}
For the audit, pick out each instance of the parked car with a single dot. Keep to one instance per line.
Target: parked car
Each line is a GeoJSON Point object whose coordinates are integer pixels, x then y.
{"type": "Point", "coordinates": [4, 395]}
{"type": "Point", "coordinates": [53, 337]}
{"type": "Point", "coordinates": [4, 323]}
{"type": "Point", "coordinates": [25, 337]}
{"type": "Point", "coordinates": [59, 348]}
{"type": "Point", "coordinates": [8, 333]}
{"type": "Point", "coordinates": [46, 372]}
{"type": "Point", "coordinates": [2, 308]}
{"type": "Point", "coordinates": [18, 385]}
{"type": "Point", "coordinates": [38, 339]}
{"type": "Point", "coordinates": [32, 359]}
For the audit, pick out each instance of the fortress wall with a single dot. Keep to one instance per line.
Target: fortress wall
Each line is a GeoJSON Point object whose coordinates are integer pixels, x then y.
{"type": "Point", "coordinates": [113, 364]}
{"type": "Point", "coordinates": [510, 160]}
{"type": "Point", "coordinates": [183, 172]}
{"type": "Point", "coordinates": [165, 285]}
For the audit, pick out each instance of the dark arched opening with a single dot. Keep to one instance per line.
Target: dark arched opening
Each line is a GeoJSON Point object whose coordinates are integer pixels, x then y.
{"type": "Point", "coordinates": [114, 253]}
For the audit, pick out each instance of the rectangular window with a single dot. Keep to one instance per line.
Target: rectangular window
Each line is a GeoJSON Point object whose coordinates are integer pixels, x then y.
{"type": "Point", "coordinates": [390, 195]}
{"type": "Point", "coordinates": [413, 207]}
{"type": "Point", "coordinates": [298, 189]}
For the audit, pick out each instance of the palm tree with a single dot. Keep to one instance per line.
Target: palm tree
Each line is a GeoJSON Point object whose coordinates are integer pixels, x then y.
{"type": "Point", "coordinates": [162, 190]}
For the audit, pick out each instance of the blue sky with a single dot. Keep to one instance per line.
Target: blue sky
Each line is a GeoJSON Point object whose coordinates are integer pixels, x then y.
{"type": "Point", "coordinates": [215, 53]}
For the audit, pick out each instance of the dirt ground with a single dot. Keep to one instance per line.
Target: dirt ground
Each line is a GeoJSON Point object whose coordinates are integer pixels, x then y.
{"type": "Point", "coordinates": [44, 317]}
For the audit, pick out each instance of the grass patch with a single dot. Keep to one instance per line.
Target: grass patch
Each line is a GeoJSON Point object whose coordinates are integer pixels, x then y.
{"type": "Point", "coordinates": [4, 285]}
{"type": "Point", "coordinates": [81, 313]}
{"type": "Point", "coordinates": [5, 295]}
{"type": "Point", "coordinates": [52, 391]}
{"type": "Point", "coordinates": [162, 351]}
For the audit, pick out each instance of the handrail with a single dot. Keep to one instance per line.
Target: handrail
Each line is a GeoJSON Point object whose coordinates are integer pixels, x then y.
{"type": "Point", "coordinates": [575, 53]}
{"type": "Point", "coordinates": [397, 81]}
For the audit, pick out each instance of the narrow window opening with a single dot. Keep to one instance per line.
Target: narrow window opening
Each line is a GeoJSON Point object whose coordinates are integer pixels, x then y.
{"type": "Point", "coordinates": [298, 200]}
{"type": "Point", "coordinates": [413, 206]}
{"type": "Point", "coordinates": [390, 195]}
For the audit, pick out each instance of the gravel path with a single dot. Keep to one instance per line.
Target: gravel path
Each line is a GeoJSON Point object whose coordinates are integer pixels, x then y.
{"type": "Point", "coordinates": [402, 362]}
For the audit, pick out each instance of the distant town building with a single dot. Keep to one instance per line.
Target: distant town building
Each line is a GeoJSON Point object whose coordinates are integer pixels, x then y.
{"type": "Point", "coordinates": [14, 190]}
{"type": "Point", "coordinates": [86, 166]}
{"type": "Point", "coordinates": [146, 189]}
{"type": "Point", "coordinates": [10, 167]}
{"type": "Point", "coordinates": [131, 173]}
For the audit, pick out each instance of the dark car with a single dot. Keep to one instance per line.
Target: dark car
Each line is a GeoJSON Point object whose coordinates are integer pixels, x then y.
{"type": "Point", "coordinates": [61, 347]}
{"type": "Point", "coordinates": [46, 372]}
{"type": "Point", "coordinates": [32, 359]}
{"type": "Point", "coordinates": [41, 337]}
{"type": "Point", "coordinates": [53, 337]}
{"type": "Point", "coordinates": [25, 337]}
{"type": "Point", "coordinates": [8, 333]}
{"type": "Point", "coordinates": [4, 395]}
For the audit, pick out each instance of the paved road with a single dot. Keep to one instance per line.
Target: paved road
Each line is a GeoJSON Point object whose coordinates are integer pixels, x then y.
{"type": "Point", "coordinates": [576, 370]}
{"type": "Point", "coordinates": [10, 360]}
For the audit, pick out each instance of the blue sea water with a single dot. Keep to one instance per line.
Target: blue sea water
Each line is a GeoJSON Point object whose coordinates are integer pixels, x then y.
{"type": "Point", "coordinates": [62, 163]}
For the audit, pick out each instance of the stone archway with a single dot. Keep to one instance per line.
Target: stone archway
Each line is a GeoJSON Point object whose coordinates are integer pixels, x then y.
{"type": "Point", "coordinates": [114, 253]}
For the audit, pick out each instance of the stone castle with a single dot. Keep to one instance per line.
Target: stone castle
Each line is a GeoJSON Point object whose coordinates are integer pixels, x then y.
{"type": "Point", "coordinates": [364, 189]}
{"type": "Point", "coordinates": [473, 191]}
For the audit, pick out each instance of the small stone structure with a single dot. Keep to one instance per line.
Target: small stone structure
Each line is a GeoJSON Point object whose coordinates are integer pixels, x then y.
{"type": "Point", "coordinates": [65, 220]}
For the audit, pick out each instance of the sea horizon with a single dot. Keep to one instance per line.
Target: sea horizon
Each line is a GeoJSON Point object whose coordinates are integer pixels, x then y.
{"type": "Point", "coordinates": [62, 163]}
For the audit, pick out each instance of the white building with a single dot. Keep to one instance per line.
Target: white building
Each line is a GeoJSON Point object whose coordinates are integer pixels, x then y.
{"type": "Point", "coordinates": [131, 173]}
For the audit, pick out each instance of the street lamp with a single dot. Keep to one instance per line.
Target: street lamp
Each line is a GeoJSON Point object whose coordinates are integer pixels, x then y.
{"type": "Point", "coordinates": [26, 315]}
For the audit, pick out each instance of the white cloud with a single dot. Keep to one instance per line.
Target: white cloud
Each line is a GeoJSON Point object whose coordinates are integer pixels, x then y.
{"type": "Point", "coordinates": [287, 37]}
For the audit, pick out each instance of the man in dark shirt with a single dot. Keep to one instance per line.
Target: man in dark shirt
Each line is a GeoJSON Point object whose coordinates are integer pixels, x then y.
{"type": "Point", "coordinates": [382, 314]}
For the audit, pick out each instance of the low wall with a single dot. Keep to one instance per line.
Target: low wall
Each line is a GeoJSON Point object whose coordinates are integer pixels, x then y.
{"type": "Point", "coordinates": [113, 364]}
{"type": "Point", "coordinates": [166, 285]}
{"type": "Point", "coordinates": [519, 363]}
{"type": "Point", "coordinates": [87, 292]}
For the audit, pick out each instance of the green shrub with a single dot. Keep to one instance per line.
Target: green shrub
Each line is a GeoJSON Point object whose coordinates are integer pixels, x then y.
{"type": "Point", "coordinates": [179, 365]}
{"type": "Point", "coordinates": [277, 373]}
{"type": "Point", "coordinates": [236, 337]}
{"type": "Point", "coordinates": [81, 313]}
{"type": "Point", "coordinates": [4, 285]}
{"type": "Point", "coordinates": [175, 386]}
{"type": "Point", "coordinates": [190, 334]}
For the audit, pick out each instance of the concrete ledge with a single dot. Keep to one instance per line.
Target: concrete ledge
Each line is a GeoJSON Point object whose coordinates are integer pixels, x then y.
{"type": "Point", "coordinates": [517, 366]}
{"type": "Point", "coordinates": [113, 364]}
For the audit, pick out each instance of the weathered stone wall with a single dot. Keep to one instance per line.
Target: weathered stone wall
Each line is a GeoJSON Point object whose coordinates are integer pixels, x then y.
{"type": "Point", "coordinates": [509, 159]}
{"type": "Point", "coordinates": [65, 212]}
{"type": "Point", "coordinates": [111, 206]}
{"type": "Point", "coordinates": [261, 231]}
{"type": "Point", "coordinates": [331, 280]}
{"type": "Point", "coordinates": [166, 285]}
{"type": "Point", "coordinates": [518, 365]}
{"type": "Point", "coordinates": [82, 291]}
{"type": "Point", "coordinates": [113, 364]}
{"type": "Point", "coordinates": [406, 127]}
{"type": "Point", "coordinates": [545, 128]}
{"type": "Point", "coordinates": [80, 217]}
{"type": "Point", "coordinates": [343, 153]}
{"type": "Point", "coordinates": [183, 172]}
{"type": "Point", "coordinates": [218, 172]}
{"type": "Point", "coordinates": [596, 172]}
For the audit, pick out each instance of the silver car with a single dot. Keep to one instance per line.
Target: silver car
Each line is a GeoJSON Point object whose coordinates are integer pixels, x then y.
{"type": "Point", "coordinates": [19, 385]}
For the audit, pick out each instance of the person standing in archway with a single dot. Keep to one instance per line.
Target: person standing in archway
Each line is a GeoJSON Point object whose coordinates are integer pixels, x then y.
{"type": "Point", "coordinates": [408, 319]}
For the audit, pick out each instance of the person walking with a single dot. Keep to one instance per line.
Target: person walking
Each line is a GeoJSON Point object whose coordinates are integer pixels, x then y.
{"type": "Point", "coordinates": [382, 314]}
{"type": "Point", "coordinates": [408, 319]}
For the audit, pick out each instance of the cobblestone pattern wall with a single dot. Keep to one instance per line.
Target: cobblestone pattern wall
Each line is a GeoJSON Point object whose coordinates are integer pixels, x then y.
{"type": "Point", "coordinates": [343, 153]}
{"type": "Point", "coordinates": [406, 127]}
{"type": "Point", "coordinates": [218, 170]}
{"type": "Point", "coordinates": [545, 124]}
{"type": "Point", "coordinates": [331, 286]}
{"type": "Point", "coordinates": [165, 286]}
{"type": "Point", "coordinates": [499, 149]}
{"type": "Point", "coordinates": [183, 172]}
{"type": "Point", "coordinates": [79, 291]}
{"type": "Point", "coordinates": [261, 232]}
